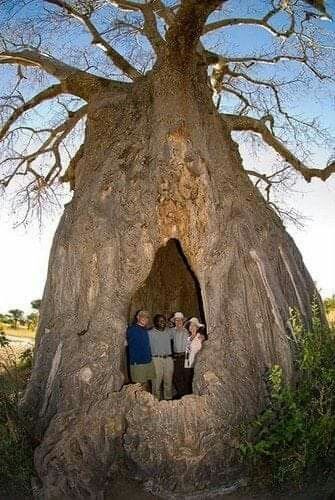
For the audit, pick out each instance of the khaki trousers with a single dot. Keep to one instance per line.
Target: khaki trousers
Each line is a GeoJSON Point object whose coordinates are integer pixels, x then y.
{"type": "Point", "coordinates": [164, 373]}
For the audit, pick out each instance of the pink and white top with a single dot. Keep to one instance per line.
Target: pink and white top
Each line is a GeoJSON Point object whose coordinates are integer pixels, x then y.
{"type": "Point", "coordinates": [193, 346]}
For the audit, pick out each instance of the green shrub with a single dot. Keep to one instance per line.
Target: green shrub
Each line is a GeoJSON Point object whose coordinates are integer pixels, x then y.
{"type": "Point", "coordinates": [294, 437]}
{"type": "Point", "coordinates": [4, 342]}
{"type": "Point", "coordinates": [16, 451]}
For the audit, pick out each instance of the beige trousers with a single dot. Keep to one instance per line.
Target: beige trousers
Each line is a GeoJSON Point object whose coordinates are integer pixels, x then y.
{"type": "Point", "coordinates": [164, 373]}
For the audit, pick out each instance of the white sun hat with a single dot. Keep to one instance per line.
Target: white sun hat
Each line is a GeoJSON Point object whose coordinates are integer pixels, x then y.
{"type": "Point", "coordinates": [196, 322]}
{"type": "Point", "coordinates": [178, 315]}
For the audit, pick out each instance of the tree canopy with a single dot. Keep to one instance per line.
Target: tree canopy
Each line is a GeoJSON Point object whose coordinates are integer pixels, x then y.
{"type": "Point", "coordinates": [36, 304]}
{"type": "Point", "coordinates": [261, 58]}
{"type": "Point", "coordinates": [17, 316]}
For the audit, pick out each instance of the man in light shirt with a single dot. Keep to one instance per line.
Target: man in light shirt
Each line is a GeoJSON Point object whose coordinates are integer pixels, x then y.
{"type": "Point", "coordinates": [160, 343]}
{"type": "Point", "coordinates": [179, 335]}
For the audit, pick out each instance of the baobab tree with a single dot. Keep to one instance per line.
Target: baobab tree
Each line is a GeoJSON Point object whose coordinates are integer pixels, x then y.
{"type": "Point", "coordinates": [163, 213]}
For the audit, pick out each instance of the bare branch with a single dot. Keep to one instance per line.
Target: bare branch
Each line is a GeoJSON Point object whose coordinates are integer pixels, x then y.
{"type": "Point", "coordinates": [239, 123]}
{"type": "Point", "coordinates": [241, 97]}
{"type": "Point", "coordinates": [240, 21]}
{"type": "Point", "coordinates": [156, 6]}
{"type": "Point", "coordinates": [51, 145]}
{"type": "Point", "coordinates": [163, 11]}
{"type": "Point", "coordinates": [244, 79]}
{"type": "Point", "coordinates": [126, 4]}
{"type": "Point", "coordinates": [248, 62]}
{"type": "Point", "coordinates": [98, 40]}
{"type": "Point", "coordinates": [148, 10]}
{"type": "Point", "coordinates": [75, 81]}
{"type": "Point", "coordinates": [150, 28]}
{"type": "Point", "coordinates": [46, 94]}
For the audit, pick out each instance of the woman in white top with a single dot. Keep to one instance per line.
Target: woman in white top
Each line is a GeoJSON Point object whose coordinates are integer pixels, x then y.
{"type": "Point", "coordinates": [193, 346]}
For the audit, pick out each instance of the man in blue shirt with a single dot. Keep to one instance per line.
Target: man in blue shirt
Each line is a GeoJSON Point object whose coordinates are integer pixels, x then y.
{"type": "Point", "coordinates": [142, 369]}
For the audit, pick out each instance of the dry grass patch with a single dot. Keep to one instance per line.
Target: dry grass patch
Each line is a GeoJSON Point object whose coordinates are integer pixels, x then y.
{"type": "Point", "coordinates": [331, 318]}
{"type": "Point", "coordinates": [19, 332]}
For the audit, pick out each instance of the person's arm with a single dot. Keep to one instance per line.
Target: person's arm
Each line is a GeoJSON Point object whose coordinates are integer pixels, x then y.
{"type": "Point", "coordinates": [151, 338]}
{"type": "Point", "coordinates": [126, 338]}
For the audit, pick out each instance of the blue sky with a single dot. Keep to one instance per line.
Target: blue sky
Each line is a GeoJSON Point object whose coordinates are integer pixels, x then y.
{"type": "Point", "coordinates": [24, 252]}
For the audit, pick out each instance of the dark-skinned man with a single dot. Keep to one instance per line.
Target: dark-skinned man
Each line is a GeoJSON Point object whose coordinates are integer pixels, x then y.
{"type": "Point", "coordinates": [160, 343]}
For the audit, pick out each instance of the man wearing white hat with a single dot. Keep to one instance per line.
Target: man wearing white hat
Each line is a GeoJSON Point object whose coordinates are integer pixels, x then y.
{"type": "Point", "coordinates": [179, 336]}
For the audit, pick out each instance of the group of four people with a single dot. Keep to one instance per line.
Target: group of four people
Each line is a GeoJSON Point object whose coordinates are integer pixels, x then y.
{"type": "Point", "coordinates": [164, 355]}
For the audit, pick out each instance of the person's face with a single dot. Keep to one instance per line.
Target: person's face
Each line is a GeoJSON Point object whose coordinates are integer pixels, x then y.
{"type": "Point", "coordinates": [193, 329]}
{"type": "Point", "coordinates": [143, 320]}
{"type": "Point", "coordinates": [178, 323]}
{"type": "Point", "coordinates": [160, 323]}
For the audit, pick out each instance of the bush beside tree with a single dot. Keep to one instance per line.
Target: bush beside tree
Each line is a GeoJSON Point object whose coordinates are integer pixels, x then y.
{"type": "Point", "coordinates": [293, 439]}
{"type": "Point", "coordinates": [16, 446]}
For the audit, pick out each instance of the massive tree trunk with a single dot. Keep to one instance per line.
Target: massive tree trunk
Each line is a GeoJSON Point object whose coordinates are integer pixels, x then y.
{"type": "Point", "coordinates": [158, 165]}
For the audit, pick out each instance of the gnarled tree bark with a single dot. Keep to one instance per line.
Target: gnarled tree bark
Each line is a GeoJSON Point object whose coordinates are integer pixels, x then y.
{"type": "Point", "coordinates": [158, 164]}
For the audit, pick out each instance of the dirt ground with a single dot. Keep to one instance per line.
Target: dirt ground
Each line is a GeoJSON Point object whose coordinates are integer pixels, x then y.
{"type": "Point", "coordinates": [131, 490]}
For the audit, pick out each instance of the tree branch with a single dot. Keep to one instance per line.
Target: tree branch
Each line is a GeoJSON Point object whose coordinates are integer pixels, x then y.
{"type": "Point", "coordinates": [240, 96]}
{"type": "Point", "coordinates": [241, 123]}
{"type": "Point", "coordinates": [262, 23]}
{"type": "Point", "coordinates": [148, 10]}
{"type": "Point", "coordinates": [98, 40]}
{"type": "Point", "coordinates": [156, 6]}
{"type": "Point", "coordinates": [213, 58]}
{"type": "Point", "coordinates": [150, 28]}
{"type": "Point", "coordinates": [50, 145]}
{"type": "Point", "coordinates": [45, 95]}
{"type": "Point", "coordinates": [163, 11]}
{"type": "Point", "coordinates": [187, 27]}
{"type": "Point", "coordinates": [75, 81]}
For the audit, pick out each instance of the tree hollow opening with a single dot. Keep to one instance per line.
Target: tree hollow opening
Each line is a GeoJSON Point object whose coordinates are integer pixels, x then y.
{"type": "Point", "coordinates": [170, 286]}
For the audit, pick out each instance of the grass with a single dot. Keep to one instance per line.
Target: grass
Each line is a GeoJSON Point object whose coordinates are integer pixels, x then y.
{"type": "Point", "coordinates": [22, 332]}
{"type": "Point", "coordinates": [331, 318]}
{"type": "Point", "coordinates": [16, 450]}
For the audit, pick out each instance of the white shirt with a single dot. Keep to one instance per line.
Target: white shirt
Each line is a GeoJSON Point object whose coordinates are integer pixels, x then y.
{"type": "Point", "coordinates": [195, 347]}
{"type": "Point", "coordinates": [179, 339]}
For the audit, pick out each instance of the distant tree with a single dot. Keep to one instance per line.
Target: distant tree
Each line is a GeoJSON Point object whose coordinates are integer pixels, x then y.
{"type": "Point", "coordinates": [36, 304]}
{"type": "Point", "coordinates": [33, 317]}
{"type": "Point", "coordinates": [17, 315]}
{"type": "Point", "coordinates": [6, 319]}
{"type": "Point", "coordinates": [32, 320]}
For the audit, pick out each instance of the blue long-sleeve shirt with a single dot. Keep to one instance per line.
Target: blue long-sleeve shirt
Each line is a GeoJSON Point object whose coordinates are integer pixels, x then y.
{"type": "Point", "coordinates": [138, 345]}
